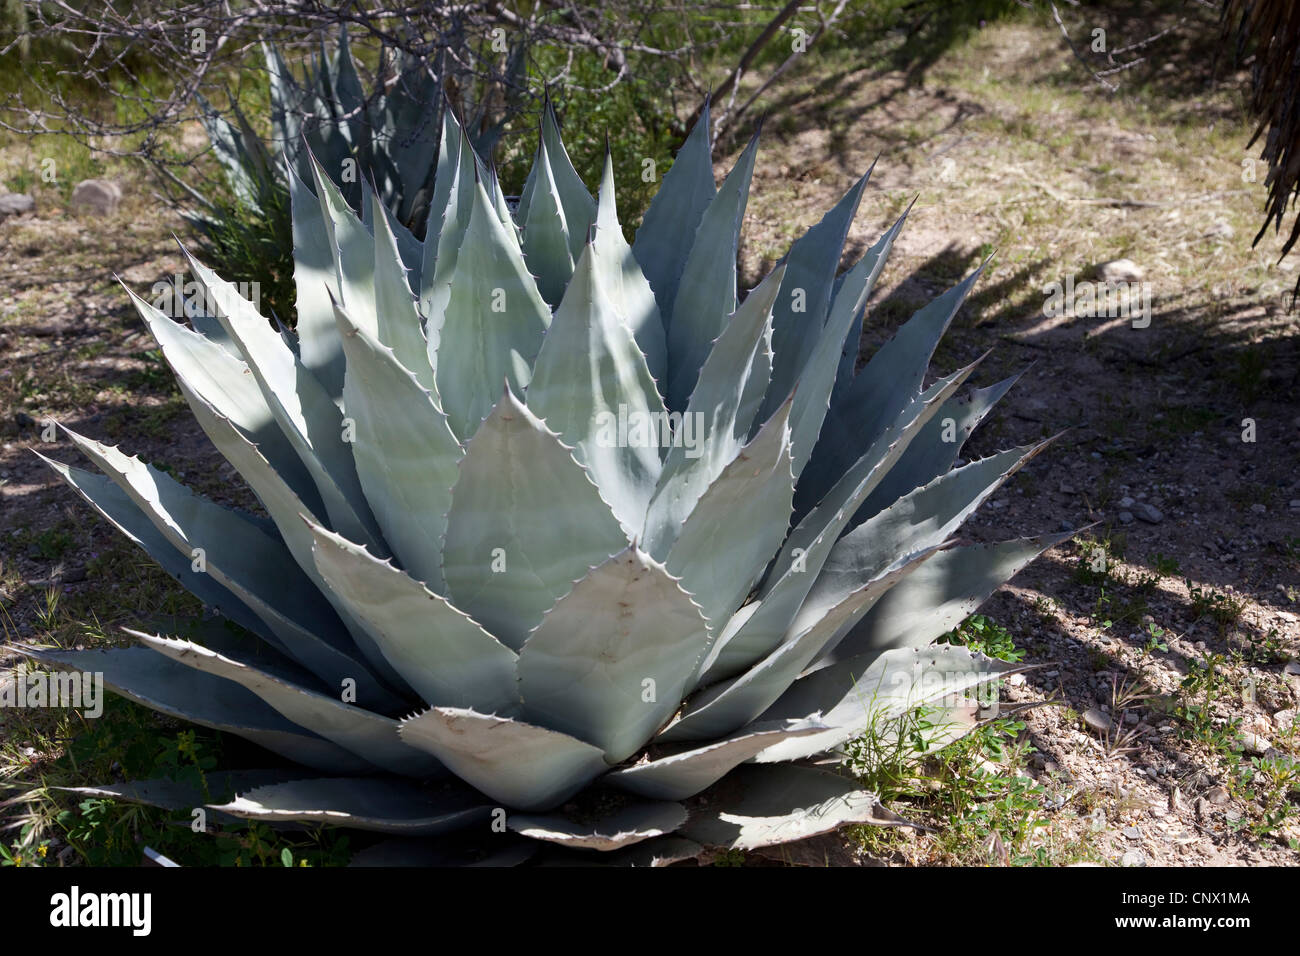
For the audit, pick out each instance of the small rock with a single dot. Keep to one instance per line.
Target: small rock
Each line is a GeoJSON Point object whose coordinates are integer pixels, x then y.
{"type": "Point", "coordinates": [1284, 719]}
{"type": "Point", "coordinates": [1217, 796]}
{"type": "Point", "coordinates": [1221, 230]}
{"type": "Point", "coordinates": [1254, 744]}
{"type": "Point", "coordinates": [1148, 513]}
{"type": "Point", "coordinates": [100, 196]}
{"type": "Point", "coordinates": [1231, 815]}
{"type": "Point", "coordinates": [1292, 669]}
{"type": "Point", "coordinates": [1119, 270]}
{"type": "Point", "coordinates": [1133, 858]}
{"type": "Point", "coordinates": [1126, 503]}
{"type": "Point", "coordinates": [1126, 517]}
{"type": "Point", "coordinates": [1202, 809]}
{"type": "Point", "coordinates": [1066, 526]}
{"type": "Point", "coordinates": [1132, 833]}
{"type": "Point", "coordinates": [1096, 720]}
{"type": "Point", "coordinates": [1070, 490]}
{"type": "Point", "coordinates": [15, 204]}
{"type": "Point", "coordinates": [74, 575]}
{"type": "Point", "coordinates": [1294, 504]}
{"type": "Point", "coordinates": [1129, 716]}
{"type": "Point", "coordinates": [1259, 509]}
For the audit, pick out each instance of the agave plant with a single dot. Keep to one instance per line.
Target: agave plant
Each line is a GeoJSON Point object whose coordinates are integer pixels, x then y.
{"type": "Point", "coordinates": [564, 542]}
{"type": "Point", "coordinates": [389, 137]}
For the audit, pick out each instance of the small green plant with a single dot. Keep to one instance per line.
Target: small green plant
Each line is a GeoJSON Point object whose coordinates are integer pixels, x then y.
{"type": "Point", "coordinates": [1223, 609]}
{"type": "Point", "coordinates": [1267, 785]}
{"type": "Point", "coordinates": [985, 636]}
{"type": "Point", "coordinates": [1203, 686]}
{"type": "Point", "coordinates": [1165, 566]}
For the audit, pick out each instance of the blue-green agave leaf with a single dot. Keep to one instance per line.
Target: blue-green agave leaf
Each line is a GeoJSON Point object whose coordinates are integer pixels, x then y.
{"type": "Point", "coordinates": [877, 256]}
{"type": "Point", "coordinates": [492, 327]}
{"type": "Point", "coordinates": [728, 538]}
{"type": "Point", "coordinates": [706, 293]}
{"type": "Point", "coordinates": [762, 806]}
{"type": "Point", "coordinates": [315, 281]}
{"type": "Point", "coordinates": [352, 727]}
{"type": "Point", "coordinates": [879, 392]}
{"type": "Point", "coordinates": [522, 765]}
{"type": "Point", "coordinates": [362, 803]}
{"type": "Point", "coordinates": [936, 447]}
{"type": "Point", "coordinates": [526, 521]}
{"type": "Point", "coordinates": [716, 422]}
{"type": "Point", "coordinates": [938, 597]}
{"type": "Point", "coordinates": [800, 311]}
{"type": "Point", "coordinates": [609, 664]}
{"type": "Point", "coordinates": [685, 774]}
{"type": "Point", "coordinates": [546, 245]}
{"type": "Point", "coordinates": [439, 650]}
{"type": "Point", "coordinates": [858, 693]}
{"type": "Point", "coordinates": [624, 827]}
{"type": "Point", "coordinates": [727, 706]}
{"type": "Point", "coordinates": [407, 462]}
{"type": "Point", "coordinates": [400, 326]}
{"type": "Point", "coordinates": [633, 299]}
{"type": "Point", "coordinates": [674, 213]}
{"type": "Point", "coordinates": [146, 678]}
{"type": "Point", "coordinates": [590, 377]}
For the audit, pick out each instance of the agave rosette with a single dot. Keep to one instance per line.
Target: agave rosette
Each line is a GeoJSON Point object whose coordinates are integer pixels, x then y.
{"type": "Point", "coordinates": [549, 517]}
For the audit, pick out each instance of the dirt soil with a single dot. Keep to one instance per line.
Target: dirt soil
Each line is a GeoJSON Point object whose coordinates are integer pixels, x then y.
{"type": "Point", "coordinates": [1009, 149]}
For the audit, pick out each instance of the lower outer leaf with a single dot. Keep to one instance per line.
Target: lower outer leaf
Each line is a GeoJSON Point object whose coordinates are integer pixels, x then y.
{"type": "Point", "coordinates": [854, 694]}
{"type": "Point", "coordinates": [522, 765]}
{"type": "Point", "coordinates": [170, 688]}
{"type": "Point", "coordinates": [365, 803]}
{"type": "Point", "coordinates": [758, 806]}
{"type": "Point", "coordinates": [628, 825]}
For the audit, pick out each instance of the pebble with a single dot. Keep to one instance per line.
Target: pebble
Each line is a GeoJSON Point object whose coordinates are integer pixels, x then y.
{"type": "Point", "coordinates": [1217, 796]}
{"type": "Point", "coordinates": [1126, 503]}
{"type": "Point", "coordinates": [1259, 509]}
{"type": "Point", "coordinates": [1096, 720]}
{"type": "Point", "coordinates": [1292, 669]}
{"type": "Point", "coordinates": [1119, 270]}
{"type": "Point", "coordinates": [100, 196]}
{"type": "Point", "coordinates": [15, 204]}
{"type": "Point", "coordinates": [1132, 833]}
{"type": "Point", "coordinates": [1148, 513]}
{"type": "Point", "coordinates": [1202, 809]}
{"type": "Point", "coordinates": [74, 575]}
{"type": "Point", "coordinates": [1294, 504]}
{"type": "Point", "coordinates": [1231, 815]}
{"type": "Point", "coordinates": [1133, 858]}
{"type": "Point", "coordinates": [1254, 744]}
{"type": "Point", "coordinates": [1126, 517]}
